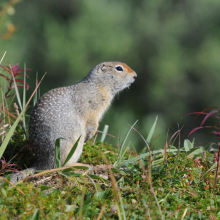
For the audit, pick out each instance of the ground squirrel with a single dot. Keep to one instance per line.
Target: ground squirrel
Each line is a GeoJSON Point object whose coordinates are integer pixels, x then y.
{"type": "Point", "coordinates": [74, 111]}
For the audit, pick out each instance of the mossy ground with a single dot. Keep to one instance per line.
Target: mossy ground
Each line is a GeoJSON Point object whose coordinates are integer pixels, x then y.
{"type": "Point", "coordinates": [183, 187]}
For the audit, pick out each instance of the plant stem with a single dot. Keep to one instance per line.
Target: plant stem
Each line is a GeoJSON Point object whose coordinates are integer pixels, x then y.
{"type": "Point", "coordinates": [216, 175]}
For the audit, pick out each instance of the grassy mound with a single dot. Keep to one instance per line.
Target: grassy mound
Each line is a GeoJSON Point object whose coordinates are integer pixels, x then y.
{"type": "Point", "coordinates": [171, 186]}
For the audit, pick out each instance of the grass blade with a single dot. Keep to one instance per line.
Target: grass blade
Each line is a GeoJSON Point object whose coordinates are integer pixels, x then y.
{"type": "Point", "coordinates": [35, 97]}
{"type": "Point", "coordinates": [57, 153]}
{"type": "Point", "coordinates": [72, 151]}
{"type": "Point", "coordinates": [105, 130]}
{"type": "Point", "coordinates": [187, 145]}
{"type": "Point", "coordinates": [3, 57]}
{"type": "Point", "coordinates": [36, 215]}
{"type": "Point", "coordinates": [151, 133]}
{"type": "Point", "coordinates": [184, 214]}
{"type": "Point", "coordinates": [24, 95]}
{"type": "Point", "coordinates": [125, 138]}
{"type": "Point", "coordinates": [195, 152]}
{"type": "Point", "coordinates": [177, 158]}
{"type": "Point", "coordinates": [101, 212]}
{"type": "Point", "coordinates": [125, 150]}
{"type": "Point", "coordinates": [122, 145]}
{"type": "Point", "coordinates": [207, 116]}
{"type": "Point", "coordinates": [7, 181]}
{"type": "Point", "coordinates": [141, 156]}
{"type": "Point", "coordinates": [16, 88]}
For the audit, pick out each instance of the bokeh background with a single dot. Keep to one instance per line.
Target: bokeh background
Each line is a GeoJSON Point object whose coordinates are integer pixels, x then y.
{"type": "Point", "coordinates": [173, 45]}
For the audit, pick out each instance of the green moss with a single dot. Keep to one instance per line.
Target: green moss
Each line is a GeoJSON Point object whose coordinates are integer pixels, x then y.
{"type": "Point", "coordinates": [99, 153]}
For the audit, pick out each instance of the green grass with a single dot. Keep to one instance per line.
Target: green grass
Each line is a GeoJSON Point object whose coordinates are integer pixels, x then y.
{"type": "Point", "coordinates": [189, 194]}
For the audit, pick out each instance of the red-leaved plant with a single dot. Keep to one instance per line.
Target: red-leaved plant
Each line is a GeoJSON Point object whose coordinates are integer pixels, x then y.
{"type": "Point", "coordinates": [12, 79]}
{"type": "Point", "coordinates": [13, 71]}
{"type": "Point", "coordinates": [7, 167]}
{"type": "Point", "coordinates": [217, 133]}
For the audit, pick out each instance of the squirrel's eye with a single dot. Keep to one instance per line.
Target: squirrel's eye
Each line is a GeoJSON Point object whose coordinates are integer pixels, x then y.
{"type": "Point", "coordinates": [119, 68]}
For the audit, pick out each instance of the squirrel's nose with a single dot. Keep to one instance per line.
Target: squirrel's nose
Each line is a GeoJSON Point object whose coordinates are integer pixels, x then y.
{"type": "Point", "coordinates": [135, 76]}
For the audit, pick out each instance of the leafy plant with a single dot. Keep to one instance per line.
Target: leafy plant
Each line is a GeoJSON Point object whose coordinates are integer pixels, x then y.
{"type": "Point", "coordinates": [217, 133]}
{"type": "Point", "coordinates": [7, 167]}
{"type": "Point", "coordinates": [14, 72]}
{"type": "Point", "coordinates": [13, 83]}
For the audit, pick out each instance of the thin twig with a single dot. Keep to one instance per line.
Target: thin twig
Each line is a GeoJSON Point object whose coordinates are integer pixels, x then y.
{"type": "Point", "coordinates": [143, 139]}
{"type": "Point", "coordinates": [4, 179]}
{"type": "Point", "coordinates": [101, 212]}
{"type": "Point", "coordinates": [216, 174]}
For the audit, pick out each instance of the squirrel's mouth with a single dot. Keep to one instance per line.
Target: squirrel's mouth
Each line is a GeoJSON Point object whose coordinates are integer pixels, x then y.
{"type": "Point", "coordinates": [129, 84]}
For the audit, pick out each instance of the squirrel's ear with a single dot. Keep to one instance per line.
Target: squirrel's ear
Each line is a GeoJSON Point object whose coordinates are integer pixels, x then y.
{"type": "Point", "coordinates": [102, 67]}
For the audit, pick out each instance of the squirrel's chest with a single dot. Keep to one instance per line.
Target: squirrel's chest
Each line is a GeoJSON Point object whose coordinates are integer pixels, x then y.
{"type": "Point", "coordinates": [98, 106]}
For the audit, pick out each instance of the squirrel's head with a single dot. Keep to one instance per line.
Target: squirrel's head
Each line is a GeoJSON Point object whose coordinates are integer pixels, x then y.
{"type": "Point", "coordinates": [114, 75]}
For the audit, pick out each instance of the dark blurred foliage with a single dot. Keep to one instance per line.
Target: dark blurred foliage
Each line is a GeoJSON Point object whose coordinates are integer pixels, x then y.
{"type": "Point", "coordinates": [173, 45]}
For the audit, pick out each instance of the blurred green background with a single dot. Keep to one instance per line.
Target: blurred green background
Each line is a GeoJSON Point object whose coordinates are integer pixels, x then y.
{"type": "Point", "coordinates": [173, 45]}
